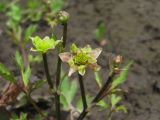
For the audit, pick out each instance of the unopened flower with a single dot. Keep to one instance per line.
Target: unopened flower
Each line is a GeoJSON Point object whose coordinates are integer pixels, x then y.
{"type": "Point", "coordinates": [81, 58]}
{"type": "Point", "coordinates": [63, 17]}
{"type": "Point", "coordinates": [116, 64]}
{"type": "Point", "coordinates": [43, 45]}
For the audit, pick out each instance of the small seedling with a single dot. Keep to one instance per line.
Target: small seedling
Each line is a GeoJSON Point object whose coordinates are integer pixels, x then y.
{"type": "Point", "coordinates": [100, 34]}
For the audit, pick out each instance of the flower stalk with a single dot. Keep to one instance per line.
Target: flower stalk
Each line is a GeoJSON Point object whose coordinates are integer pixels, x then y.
{"type": "Point", "coordinates": [57, 95]}
{"type": "Point", "coordinates": [45, 62]}
{"type": "Point", "coordinates": [84, 101]}
{"type": "Point", "coordinates": [30, 99]}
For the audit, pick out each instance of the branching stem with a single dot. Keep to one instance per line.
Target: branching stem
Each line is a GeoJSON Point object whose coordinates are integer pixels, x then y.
{"type": "Point", "coordinates": [99, 95]}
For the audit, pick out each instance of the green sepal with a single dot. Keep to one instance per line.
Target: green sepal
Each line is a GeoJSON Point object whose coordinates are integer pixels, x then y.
{"type": "Point", "coordinates": [73, 48]}
{"type": "Point", "coordinates": [81, 70]}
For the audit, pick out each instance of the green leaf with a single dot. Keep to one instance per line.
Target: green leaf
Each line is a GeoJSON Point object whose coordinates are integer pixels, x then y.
{"type": "Point", "coordinates": [121, 108]}
{"type": "Point", "coordinates": [38, 84]}
{"type": "Point", "coordinates": [19, 61]}
{"type": "Point", "coordinates": [23, 116]}
{"type": "Point", "coordinates": [122, 77]}
{"type": "Point", "coordinates": [102, 104]}
{"type": "Point", "coordinates": [115, 100]}
{"type": "Point", "coordinates": [68, 90]}
{"type": "Point", "coordinates": [26, 76]}
{"type": "Point", "coordinates": [100, 32]}
{"type": "Point", "coordinates": [79, 104]}
{"type": "Point", "coordinates": [35, 59]}
{"type": "Point", "coordinates": [53, 36]}
{"type": "Point", "coordinates": [6, 74]}
{"type": "Point", "coordinates": [2, 7]}
{"type": "Point", "coordinates": [15, 14]}
{"type": "Point", "coordinates": [64, 102]}
{"type": "Point", "coordinates": [98, 79]}
{"type": "Point", "coordinates": [72, 92]}
{"type": "Point", "coordinates": [65, 84]}
{"type": "Point", "coordinates": [56, 5]}
{"type": "Point", "coordinates": [28, 33]}
{"type": "Point", "coordinates": [33, 4]}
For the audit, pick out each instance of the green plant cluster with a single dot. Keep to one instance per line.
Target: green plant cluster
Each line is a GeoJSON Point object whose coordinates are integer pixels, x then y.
{"type": "Point", "coordinates": [62, 87]}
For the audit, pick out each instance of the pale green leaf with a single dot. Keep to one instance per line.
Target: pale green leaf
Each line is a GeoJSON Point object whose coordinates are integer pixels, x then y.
{"type": "Point", "coordinates": [23, 116]}
{"type": "Point", "coordinates": [121, 108]}
{"type": "Point", "coordinates": [102, 104]}
{"type": "Point", "coordinates": [68, 90]}
{"type": "Point", "coordinates": [115, 99]}
{"type": "Point", "coordinates": [15, 14]}
{"type": "Point", "coordinates": [64, 102]}
{"type": "Point", "coordinates": [26, 76]}
{"type": "Point", "coordinates": [72, 91]}
{"type": "Point", "coordinates": [35, 59]}
{"type": "Point", "coordinates": [28, 33]}
{"type": "Point", "coordinates": [19, 61]}
{"type": "Point", "coordinates": [98, 79]}
{"type": "Point", "coordinates": [122, 77]}
{"type": "Point", "coordinates": [38, 84]}
{"type": "Point", "coordinates": [79, 104]}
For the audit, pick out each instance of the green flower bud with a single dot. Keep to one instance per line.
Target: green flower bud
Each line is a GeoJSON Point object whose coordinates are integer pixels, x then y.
{"type": "Point", "coordinates": [63, 17]}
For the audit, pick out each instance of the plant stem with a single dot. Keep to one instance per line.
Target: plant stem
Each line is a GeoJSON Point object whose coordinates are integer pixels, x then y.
{"type": "Point", "coordinates": [57, 96]}
{"type": "Point", "coordinates": [109, 116]}
{"type": "Point", "coordinates": [64, 34]}
{"type": "Point", "coordinates": [82, 92]}
{"type": "Point", "coordinates": [45, 62]}
{"type": "Point", "coordinates": [98, 96]}
{"type": "Point", "coordinates": [30, 99]}
{"type": "Point", "coordinates": [35, 106]}
{"type": "Point", "coordinates": [58, 76]}
{"type": "Point", "coordinates": [104, 88]}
